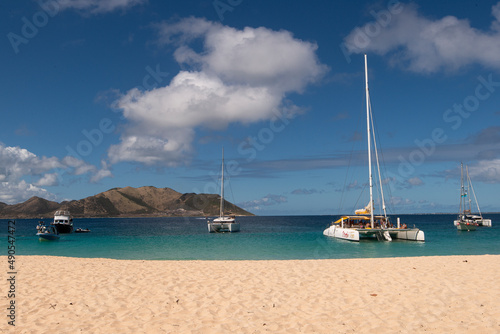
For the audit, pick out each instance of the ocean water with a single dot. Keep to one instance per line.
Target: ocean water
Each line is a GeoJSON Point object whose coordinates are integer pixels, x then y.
{"type": "Point", "coordinates": [261, 238]}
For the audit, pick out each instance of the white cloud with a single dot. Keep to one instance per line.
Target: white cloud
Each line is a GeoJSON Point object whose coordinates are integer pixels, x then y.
{"type": "Point", "coordinates": [16, 162]}
{"type": "Point", "coordinates": [101, 173]}
{"type": "Point", "coordinates": [306, 191]}
{"type": "Point", "coordinates": [240, 76]}
{"type": "Point", "coordinates": [50, 179]}
{"type": "Point", "coordinates": [16, 192]}
{"type": "Point", "coordinates": [98, 6]}
{"type": "Point", "coordinates": [19, 165]}
{"type": "Point", "coordinates": [487, 171]}
{"type": "Point", "coordinates": [400, 201]}
{"type": "Point", "coordinates": [425, 45]}
{"type": "Point", "coordinates": [415, 181]}
{"type": "Point", "coordinates": [79, 167]}
{"type": "Point", "coordinates": [268, 200]}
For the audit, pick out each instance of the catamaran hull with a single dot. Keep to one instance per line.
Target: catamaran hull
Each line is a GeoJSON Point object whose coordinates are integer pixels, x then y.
{"type": "Point", "coordinates": [413, 234]}
{"type": "Point", "coordinates": [219, 227]}
{"type": "Point", "coordinates": [479, 222]}
{"type": "Point", "coordinates": [342, 233]}
{"type": "Point", "coordinates": [485, 222]}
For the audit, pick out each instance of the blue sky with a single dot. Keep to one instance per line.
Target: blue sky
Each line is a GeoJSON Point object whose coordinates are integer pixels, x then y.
{"type": "Point", "coordinates": [115, 93]}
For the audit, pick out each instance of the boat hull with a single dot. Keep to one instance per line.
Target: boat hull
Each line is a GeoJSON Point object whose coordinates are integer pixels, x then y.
{"type": "Point", "coordinates": [356, 234]}
{"type": "Point", "coordinates": [466, 226]}
{"type": "Point", "coordinates": [479, 222]}
{"type": "Point", "coordinates": [485, 222]}
{"type": "Point", "coordinates": [223, 225]}
{"type": "Point", "coordinates": [80, 230]}
{"type": "Point", "coordinates": [342, 233]}
{"type": "Point", "coordinates": [63, 228]}
{"type": "Point", "coordinates": [413, 234]}
{"type": "Point", "coordinates": [47, 236]}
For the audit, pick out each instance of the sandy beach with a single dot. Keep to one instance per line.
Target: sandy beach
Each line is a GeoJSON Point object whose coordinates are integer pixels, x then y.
{"type": "Point", "coordinates": [455, 294]}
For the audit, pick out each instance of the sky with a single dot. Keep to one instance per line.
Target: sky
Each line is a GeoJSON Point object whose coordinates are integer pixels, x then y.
{"type": "Point", "coordinates": [115, 93]}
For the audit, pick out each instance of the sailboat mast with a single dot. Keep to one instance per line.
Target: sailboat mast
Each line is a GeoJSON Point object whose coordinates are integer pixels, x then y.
{"type": "Point", "coordinates": [468, 188]}
{"type": "Point", "coordinates": [222, 187]}
{"type": "Point", "coordinates": [369, 142]}
{"type": "Point", "coordinates": [462, 190]}
{"type": "Point", "coordinates": [474, 193]}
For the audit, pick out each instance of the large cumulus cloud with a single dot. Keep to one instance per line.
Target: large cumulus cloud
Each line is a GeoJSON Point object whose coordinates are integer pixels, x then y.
{"type": "Point", "coordinates": [236, 76]}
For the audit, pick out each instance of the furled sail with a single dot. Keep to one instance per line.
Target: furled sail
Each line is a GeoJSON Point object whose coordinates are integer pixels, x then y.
{"type": "Point", "coordinates": [366, 210]}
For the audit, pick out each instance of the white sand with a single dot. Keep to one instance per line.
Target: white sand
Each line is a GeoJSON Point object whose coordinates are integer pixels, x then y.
{"type": "Point", "coordinates": [456, 294]}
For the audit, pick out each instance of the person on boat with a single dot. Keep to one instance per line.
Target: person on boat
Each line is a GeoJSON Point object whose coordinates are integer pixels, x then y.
{"type": "Point", "coordinates": [383, 223]}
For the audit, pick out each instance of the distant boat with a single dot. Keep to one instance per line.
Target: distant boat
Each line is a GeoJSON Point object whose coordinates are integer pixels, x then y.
{"type": "Point", "coordinates": [467, 221]}
{"type": "Point", "coordinates": [47, 232]}
{"type": "Point", "coordinates": [223, 223]}
{"type": "Point", "coordinates": [363, 224]}
{"type": "Point", "coordinates": [63, 222]}
{"type": "Point", "coordinates": [82, 230]}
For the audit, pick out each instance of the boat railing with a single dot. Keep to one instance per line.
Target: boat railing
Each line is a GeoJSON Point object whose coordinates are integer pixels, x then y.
{"type": "Point", "coordinates": [62, 213]}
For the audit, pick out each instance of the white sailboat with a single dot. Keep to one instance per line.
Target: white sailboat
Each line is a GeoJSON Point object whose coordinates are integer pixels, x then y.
{"type": "Point", "coordinates": [467, 221]}
{"type": "Point", "coordinates": [223, 223]}
{"type": "Point", "coordinates": [364, 224]}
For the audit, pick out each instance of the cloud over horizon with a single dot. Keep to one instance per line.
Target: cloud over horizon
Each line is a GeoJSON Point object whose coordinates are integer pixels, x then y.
{"type": "Point", "coordinates": [268, 200]}
{"type": "Point", "coordinates": [24, 174]}
{"type": "Point", "coordinates": [424, 45]}
{"type": "Point", "coordinates": [238, 76]}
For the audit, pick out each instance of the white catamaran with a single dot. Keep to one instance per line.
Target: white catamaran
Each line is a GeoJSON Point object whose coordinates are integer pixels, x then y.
{"type": "Point", "coordinates": [223, 223]}
{"type": "Point", "coordinates": [467, 221]}
{"type": "Point", "coordinates": [364, 224]}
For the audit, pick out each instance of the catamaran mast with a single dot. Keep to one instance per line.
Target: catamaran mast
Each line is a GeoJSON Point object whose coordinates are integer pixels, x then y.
{"type": "Point", "coordinates": [378, 166]}
{"type": "Point", "coordinates": [369, 142]}
{"type": "Point", "coordinates": [222, 187]}
{"type": "Point", "coordinates": [468, 187]}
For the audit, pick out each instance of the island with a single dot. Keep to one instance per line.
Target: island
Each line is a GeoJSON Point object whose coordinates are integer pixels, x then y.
{"type": "Point", "coordinates": [145, 201]}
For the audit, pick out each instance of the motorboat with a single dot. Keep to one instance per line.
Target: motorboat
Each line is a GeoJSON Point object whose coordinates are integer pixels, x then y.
{"type": "Point", "coordinates": [63, 222]}
{"type": "Point", "coordinates": [47, 232]}
{"type": "Point", "coordinates": [82, 230]}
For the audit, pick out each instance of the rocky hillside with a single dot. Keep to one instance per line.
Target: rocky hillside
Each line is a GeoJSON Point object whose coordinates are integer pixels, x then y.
{"type": "Point", "coordinates": [126, 202]}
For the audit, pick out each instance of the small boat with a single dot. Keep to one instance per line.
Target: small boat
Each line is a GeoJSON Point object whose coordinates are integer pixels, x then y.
{"type": "Point", "coordinates": [63, 222]}
{"type": "Point", "coordinates": [47, 232]}
{"type": "Point", "coordinates": [467, 221]}
{"type": "Point", "coordinates": [364, 224]}
{"type": "Point", "coordinates": [223, 223]}
{"type": "Point", "coordinates": [82, 230]}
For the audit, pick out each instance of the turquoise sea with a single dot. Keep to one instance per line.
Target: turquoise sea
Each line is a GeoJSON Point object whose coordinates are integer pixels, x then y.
{"type": "Point", "coordinates": [261, 238]}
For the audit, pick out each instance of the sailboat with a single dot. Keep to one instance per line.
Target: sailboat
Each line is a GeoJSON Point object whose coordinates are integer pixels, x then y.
{"type": "Point", "coordinates": [467, 221]}
{"type": "Point", "coordinates": [364, 224]}
{"type": "Point", "coordinates": [223, 223]}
